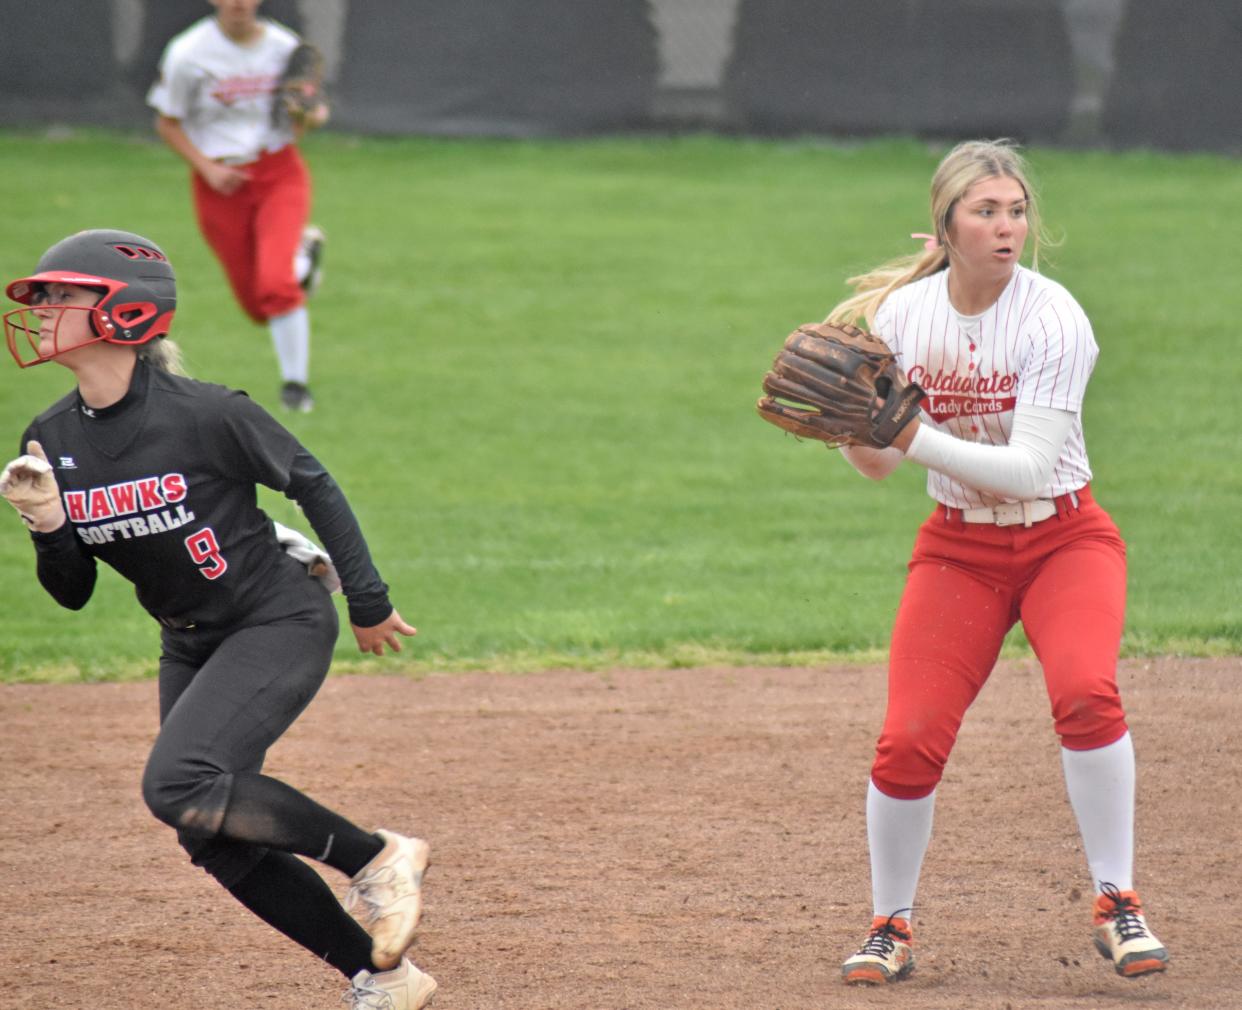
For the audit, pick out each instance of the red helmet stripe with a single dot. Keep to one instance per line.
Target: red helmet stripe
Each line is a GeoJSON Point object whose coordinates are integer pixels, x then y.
{"type": "Point", "coordinates": [23, 289]}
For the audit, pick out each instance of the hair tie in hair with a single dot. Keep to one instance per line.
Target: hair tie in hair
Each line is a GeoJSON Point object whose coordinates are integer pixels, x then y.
{"type": "Point", "coordinates": [931, 243]}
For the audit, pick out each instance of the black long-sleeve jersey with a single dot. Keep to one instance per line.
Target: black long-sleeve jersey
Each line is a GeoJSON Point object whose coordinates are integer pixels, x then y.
{"type": "Point", "coordinates": [162, 486]}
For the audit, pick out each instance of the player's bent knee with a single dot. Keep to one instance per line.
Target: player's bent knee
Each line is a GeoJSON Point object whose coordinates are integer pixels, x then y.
{"type": "Point", "coordinates": [1089, 720]}
{"type": "Point", "coordinates": [274, 304]}
{"type": "Point", "coordinates": [905, 773]}
{"type": "Point", "coordinates": [193, 804]}
{"type": "Point", "coordinates": [906, 767]}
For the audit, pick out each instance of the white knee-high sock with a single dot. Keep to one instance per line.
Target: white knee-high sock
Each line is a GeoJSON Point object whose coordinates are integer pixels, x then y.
{"type": "Point", "coordinates": [291, 338]}
{"type": "Point", "coordinates": [1100, 783]}
{"type": "Point", "coordinates": [898, 832]}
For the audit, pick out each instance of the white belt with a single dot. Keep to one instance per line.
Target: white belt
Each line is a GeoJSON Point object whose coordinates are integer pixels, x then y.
{"type": "Point", "coordinates": [1012, 513]}
{"type": "Point", "coordinates": [238, 160]}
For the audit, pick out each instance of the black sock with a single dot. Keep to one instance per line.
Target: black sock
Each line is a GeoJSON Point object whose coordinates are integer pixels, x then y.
{"type": "Point", "coordinates": [291, 897]}
{"type": "Point", "coordinates": [264, 811]}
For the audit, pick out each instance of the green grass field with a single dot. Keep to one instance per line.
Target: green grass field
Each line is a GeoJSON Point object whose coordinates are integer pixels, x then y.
{"type": "Point", "coordinates": [536, 362]}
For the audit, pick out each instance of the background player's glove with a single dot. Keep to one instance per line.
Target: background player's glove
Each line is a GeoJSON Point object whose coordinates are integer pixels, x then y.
{"type": "Point", "coordinates": [314, 557]}
{"type": "Point", "coordinates": [840, 385]}
{"type": "Point", "coordinates": [299, 97]}
{"type": "Point", "coordinates": [30, 487]}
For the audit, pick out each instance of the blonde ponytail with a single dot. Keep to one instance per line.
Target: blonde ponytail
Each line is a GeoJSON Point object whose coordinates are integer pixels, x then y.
{"type": "Point", "coordinates": [163, 354]}
{"type": "Point", "coordinates": [875, 285]}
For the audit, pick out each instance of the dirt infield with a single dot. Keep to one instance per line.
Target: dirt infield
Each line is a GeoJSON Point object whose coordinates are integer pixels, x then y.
{"type": "Point", "coordinates": [673, 839]}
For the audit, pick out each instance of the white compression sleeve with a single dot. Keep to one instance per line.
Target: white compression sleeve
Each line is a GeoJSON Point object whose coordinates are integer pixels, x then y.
{"type": "Point", "coordinates": [1019, 470]}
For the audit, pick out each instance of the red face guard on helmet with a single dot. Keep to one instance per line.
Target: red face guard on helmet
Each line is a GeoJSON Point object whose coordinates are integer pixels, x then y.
{"type": "Point", "coordinates": [26, 328]}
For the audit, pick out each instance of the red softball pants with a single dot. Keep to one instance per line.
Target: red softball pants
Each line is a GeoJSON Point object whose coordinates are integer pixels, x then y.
{"type": "Point", "coordinates": [1063, 578]}
{"type": "Point", "coordinates": [255, 231]}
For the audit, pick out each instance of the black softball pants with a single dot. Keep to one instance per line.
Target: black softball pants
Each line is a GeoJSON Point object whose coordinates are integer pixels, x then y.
{"type": "Point", "coordinates": [227, 695]}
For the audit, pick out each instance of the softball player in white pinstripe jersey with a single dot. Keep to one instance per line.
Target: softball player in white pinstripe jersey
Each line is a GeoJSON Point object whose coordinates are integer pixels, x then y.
{"type": "Point", "coordinates": [1004, 356]}
{"type": "Point", "coordinates": [250, 185]}
{"type": "Point", "coordinates": [1033, 345]}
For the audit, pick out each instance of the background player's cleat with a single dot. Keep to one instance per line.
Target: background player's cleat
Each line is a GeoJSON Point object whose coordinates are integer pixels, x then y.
{"type": "Point", "coordinates": [403, 988]}
{"type": "Point", "coordinates": [308, 262]}
{"type": "Point", "coordinates": [885, 956]}
{"type": "Point", "coordinates": [386, 896]}
{"type": "Point", "coordinates": [296, 396]}
{"type": "Point", "coordinates": [1121, 934]}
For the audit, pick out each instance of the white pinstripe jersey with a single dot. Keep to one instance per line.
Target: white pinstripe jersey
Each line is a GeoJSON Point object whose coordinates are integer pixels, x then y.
{"type": "Point", "coordinates": [1033, 346]}
{"type": "Point", "coordinates": [222, 90]}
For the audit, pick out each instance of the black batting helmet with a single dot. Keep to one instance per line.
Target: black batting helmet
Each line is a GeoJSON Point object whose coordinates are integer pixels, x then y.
{"type": "Point", "coordinates": [137, 281]}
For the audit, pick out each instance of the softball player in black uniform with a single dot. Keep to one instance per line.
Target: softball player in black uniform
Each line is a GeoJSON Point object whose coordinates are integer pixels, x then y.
{"type": "Point", "coordinates": [155, 474]}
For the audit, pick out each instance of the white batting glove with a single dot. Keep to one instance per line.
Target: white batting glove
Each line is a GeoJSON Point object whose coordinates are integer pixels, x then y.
{"type": "Point", "coordinates": [30, 487]}
{"type": "Point", "coordinates": [314, 557]}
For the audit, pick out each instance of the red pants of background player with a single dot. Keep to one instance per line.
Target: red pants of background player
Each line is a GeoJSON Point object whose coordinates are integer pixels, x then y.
{"type": "Point", "coordinates": [1064, 578]}
{"type": "Point", "coordinates": [255, 231]}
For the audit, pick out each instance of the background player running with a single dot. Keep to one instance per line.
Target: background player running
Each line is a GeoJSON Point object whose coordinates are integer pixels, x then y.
{"type": "Point", "coordinates": [1004, 355]}
{"type": "Point", "coordinates": [251, 188]}
{"type": "Point", "coordinates": [155, 474]}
